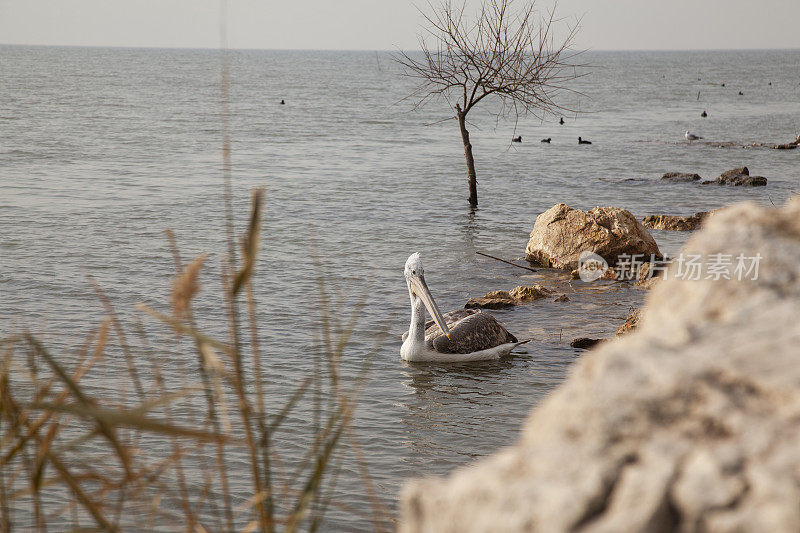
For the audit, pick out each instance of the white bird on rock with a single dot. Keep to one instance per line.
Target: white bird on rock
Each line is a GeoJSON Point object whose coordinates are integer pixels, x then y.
{"type": "Point", "coordinates": [691, 136]}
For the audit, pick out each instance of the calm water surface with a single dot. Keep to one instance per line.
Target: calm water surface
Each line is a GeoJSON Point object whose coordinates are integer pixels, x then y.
{"type": "Point", "coordinates": [102, 149]}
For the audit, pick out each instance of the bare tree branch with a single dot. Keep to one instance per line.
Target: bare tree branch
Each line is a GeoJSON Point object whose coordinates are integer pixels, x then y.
{"type": "Point", "coordinates": [508, 50]}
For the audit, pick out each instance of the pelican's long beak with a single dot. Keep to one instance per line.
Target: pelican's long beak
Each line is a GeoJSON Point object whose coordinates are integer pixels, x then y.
{"type": "Point", "coordinates": [420, 288]}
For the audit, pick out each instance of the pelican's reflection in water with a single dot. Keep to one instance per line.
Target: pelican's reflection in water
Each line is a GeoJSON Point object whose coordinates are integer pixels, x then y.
{"type": "Point", "coordinates": [448, 405]}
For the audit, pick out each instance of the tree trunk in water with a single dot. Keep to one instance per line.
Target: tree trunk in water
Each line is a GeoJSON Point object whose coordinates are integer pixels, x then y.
{"type": "Point", "coordinates": [473, 180]}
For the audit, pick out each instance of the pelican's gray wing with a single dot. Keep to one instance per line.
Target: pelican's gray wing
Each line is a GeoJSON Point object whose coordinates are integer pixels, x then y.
{"type": "Point", "coordinates": [451, 319]}
{"type": "Point", "coordinates": [471, 330]}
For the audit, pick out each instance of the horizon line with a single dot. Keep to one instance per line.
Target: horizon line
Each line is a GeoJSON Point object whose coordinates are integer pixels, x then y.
{"type": "Point", "coordinates": [245, 49]}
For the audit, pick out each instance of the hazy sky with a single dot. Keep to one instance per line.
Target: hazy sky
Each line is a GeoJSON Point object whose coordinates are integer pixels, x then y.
{"type": "Point", "coordinates": [386, 24]}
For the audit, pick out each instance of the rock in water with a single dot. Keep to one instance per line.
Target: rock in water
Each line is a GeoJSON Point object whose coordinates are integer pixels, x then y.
{"type": "Point", "coordinates": [501, 299]}
{"type": "Point", "coordinates": [492, 300]}
{"type": "Point", "coordinates": [733, 173]}
{"type": "Point", "coordinates": [674, 223]}
{"type": "Point", "coordinates": [561, 233]}
{"type": "Point", "coordinates": [584, 343]}
{"type": "Point", "coordinates": [739, 177]}
{"type": "Point", "coordinates": [630, 324]}
{"type": "Point", "coordinates": [649, 274]}
{"type": "Point", "coordinates": [680, 176]}
{"type": "Point", "coordinates": [687, 424]}
{"type": "Point", "coordinates": [527, 293]}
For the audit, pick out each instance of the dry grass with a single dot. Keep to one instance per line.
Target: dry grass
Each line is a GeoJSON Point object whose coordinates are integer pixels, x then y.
{"type": "Point", "coordinates": [153, 449]}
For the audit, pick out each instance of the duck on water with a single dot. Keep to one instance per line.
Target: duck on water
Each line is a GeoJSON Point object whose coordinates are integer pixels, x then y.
{"type": "Point", "coordinates": [462, 335]}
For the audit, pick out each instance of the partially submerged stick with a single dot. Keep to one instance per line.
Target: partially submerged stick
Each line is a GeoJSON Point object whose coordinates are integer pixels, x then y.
{"type": "Point", "coordinates": [507, 262]}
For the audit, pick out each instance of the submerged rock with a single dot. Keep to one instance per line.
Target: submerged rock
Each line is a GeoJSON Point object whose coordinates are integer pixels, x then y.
{"type": "Point", "coordinates": [609, 274]}
{"type": "Point", "coordinates": [523, 293]}
{"type": "Point", "coordinates": [561, 233]}
{"type": "Point", "coordinates": [584, 343]}
{"type": "Point", "coordinates": [516, 296]}
{"type": "Point", "coordinates": [741, 177]}
{"type": "Point", "coordinates": [492, 300]}
{"type": "Point", "coordinates": [674, 223]}
{"type": "Point", "coordinates": [680, 176]}
{"type": "Point", "coordinates": [688, 423]}
{"type": "Point", "coordinates": [788, 146]}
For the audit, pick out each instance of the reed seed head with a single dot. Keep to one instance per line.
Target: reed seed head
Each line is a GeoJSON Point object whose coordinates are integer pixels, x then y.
{"type": "Point", "coordinates": [186, 286]}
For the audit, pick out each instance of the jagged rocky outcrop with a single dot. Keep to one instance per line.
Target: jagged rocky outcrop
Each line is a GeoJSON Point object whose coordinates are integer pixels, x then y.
{"type": "Point", "coordinates": [631, 322]}
{"type": "Point", "coordinates": [740, 177]}
{"type": "Point", "coordinates": [674, 222]}
{"type": "Point", "coordinates": [561, 233]}
{"type": "Point", "coordinates": [516, 296]}
{"type": "Point", "coordinates": [689, 423]}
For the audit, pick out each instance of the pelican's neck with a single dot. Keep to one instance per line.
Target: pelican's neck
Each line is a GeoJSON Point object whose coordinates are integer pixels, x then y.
{"type": "Point", "coordinates": [416, 331]}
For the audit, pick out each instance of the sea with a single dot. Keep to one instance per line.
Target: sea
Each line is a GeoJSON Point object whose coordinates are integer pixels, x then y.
{"type": "Point", "coordinates": [103, 149]}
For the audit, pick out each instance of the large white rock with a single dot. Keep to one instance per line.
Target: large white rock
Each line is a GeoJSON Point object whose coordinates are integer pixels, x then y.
{"type": "Point", "coordinates": [561, 233]}
{"type": "Point", "coordinates": [690, 423]}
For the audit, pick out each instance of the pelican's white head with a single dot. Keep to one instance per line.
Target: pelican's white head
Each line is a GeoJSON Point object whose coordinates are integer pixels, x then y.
{"type": "Point", "coordinates": [414, 266]}
{"type": "Point", "coordinates": [418, 290]}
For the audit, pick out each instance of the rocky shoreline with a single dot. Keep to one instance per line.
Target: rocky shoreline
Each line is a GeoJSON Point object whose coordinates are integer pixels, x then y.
{"type": "Point", "coordinates": [687, 422]}
{"type": "Point", "coordinates": [780, 146]}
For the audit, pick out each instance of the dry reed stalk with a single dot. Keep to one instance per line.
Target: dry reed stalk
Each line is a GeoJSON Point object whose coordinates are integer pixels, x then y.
{"type": "Point", "coordinates": [126, 351]}
{"type": "Point", "coordinates": [50, 419]}
{"type": "Point", "coordinates": [186, 286]}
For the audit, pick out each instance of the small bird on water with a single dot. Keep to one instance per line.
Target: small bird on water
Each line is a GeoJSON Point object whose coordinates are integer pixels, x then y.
{"type": "Point", "coordinates": [546, 140]}
{"type": "Point", "coordinates": [517, 139]}
{"type": "Point", "coordinates": [583, 141]}
{"type": "Point", "coordinates": [704, 114]}
{"type": "Point", "coordinates": [283, 102]}
{"type": "Point", "coordinates": [561, 121]}
{"type": "Point", "coordinates": [741, 93]}
{"type": "Point", "coordinates": [691, 136]}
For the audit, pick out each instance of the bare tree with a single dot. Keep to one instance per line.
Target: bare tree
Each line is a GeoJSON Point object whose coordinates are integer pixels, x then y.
{"type": "Point", "coordinates": [511, 54]}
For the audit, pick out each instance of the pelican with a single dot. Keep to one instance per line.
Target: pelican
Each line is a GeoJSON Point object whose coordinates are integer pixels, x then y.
{"type": "Point", "coordinates": [463, 335]}
{"type": "Point", "coordinates": [691, 136]}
